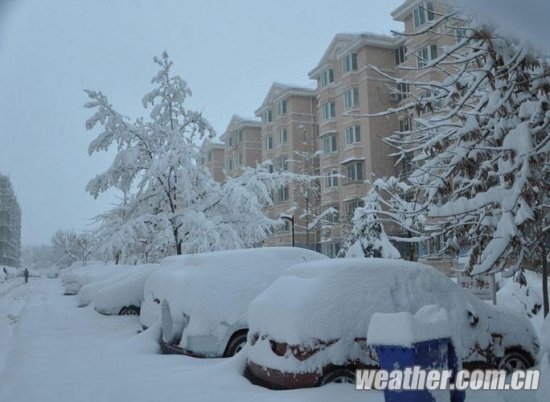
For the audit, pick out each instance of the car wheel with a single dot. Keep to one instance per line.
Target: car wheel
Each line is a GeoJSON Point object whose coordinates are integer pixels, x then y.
{"type": "Point", "coordinates": [514, 360]}
{"type": "Point", "coordinates": [236, 344]}
{"type": "Point", "coordinates": [338, 376]}
{"type": "Point", "coordinates": [130, 310]}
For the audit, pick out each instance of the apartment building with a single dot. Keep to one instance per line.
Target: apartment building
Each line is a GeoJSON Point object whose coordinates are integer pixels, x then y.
{"type": "Point", "coordinates": [10, 225]}
{"type": "Point", "coordinates": [289, 140]}
{"type": "Point", "coordinates": [242, 145]}
{"type": "Point", "coordinates": [353, 151]}
{"type": "Point", "coordinates": [212, 158]}
{"type": "Point", "coordinates": [418, 48]}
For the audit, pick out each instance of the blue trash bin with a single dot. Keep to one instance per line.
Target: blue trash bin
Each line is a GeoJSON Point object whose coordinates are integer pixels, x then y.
{"type": "Point", "coordinates": [427, 354]}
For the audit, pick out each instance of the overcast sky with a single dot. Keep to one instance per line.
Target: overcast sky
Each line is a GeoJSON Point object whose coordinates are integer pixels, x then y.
{"type": "Point", "coordinates": [228, 51]}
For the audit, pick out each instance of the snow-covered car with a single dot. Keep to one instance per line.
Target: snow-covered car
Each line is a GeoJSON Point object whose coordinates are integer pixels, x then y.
{"type": "Point", "coordinates": [309, 327]}
{"type": "Point", "coordinates": [124, 296]}
{"type": "Point", "coordinates": [76, 277]}
{"type": "Point", "coordinates": [88, 292]}
{"type": "Point", "coordinates": [202, 299]}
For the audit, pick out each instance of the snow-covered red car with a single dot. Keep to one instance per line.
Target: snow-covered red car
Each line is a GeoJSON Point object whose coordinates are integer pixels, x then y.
{"type": "Point", "coordinates": [202, 299]}
{"type": "Point", "coordinates": [309, 327]}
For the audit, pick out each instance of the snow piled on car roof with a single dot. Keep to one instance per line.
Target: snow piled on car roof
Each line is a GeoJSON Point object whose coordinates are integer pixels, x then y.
{"type": "Point", "coordinates": [217, 287]}
{"type": "Point", "coordinates": [124, 292]}
{"type": "Point", "coordinates": [335, 300]}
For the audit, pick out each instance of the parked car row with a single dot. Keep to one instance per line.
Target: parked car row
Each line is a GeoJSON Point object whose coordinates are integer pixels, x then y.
{"type": "Point", "coordinates": [301, 317]}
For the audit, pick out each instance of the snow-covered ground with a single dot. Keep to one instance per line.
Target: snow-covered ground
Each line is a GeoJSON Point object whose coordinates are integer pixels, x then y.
{"type": "Point", "coordinates": [52, 351]}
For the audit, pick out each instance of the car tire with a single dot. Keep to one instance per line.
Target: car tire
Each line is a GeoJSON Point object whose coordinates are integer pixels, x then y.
{"type": "Point", "coordinates": [338, 376]}
{"type": "Point", "coordinates": [515, 359]}
{"type": "Point", "coordinates": [236, 343]}
{"type": "Point", "coordinates": [130, 310]}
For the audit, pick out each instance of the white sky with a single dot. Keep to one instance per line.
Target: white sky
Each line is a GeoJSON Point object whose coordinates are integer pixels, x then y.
{"type": "Point", "coordinates": [228, 51]}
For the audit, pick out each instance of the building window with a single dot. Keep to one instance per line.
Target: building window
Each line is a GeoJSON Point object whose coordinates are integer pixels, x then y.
{"type": "Point", "coordinates": [267, 116]}
{"type": "Point", "coordinates": [403, 90]}
{"type": "Point", "coordinates": [283, 136]}
{"type": "Point", "coordinates": [270, 167]}
{"type": "Point", "coordinates": [281, 107]}
{"type": "Point", "coordinates": [349, 63]}
{"type": "Point", "coordinates": [354, 171]}
{"type": "Point", "coordinates": [281, 164]}
{"type": "Point", "coordinates": [330, 143]}
{"type": "Point", "coordinates": [269, 142]}
{"type": "Point", "coordinates": [329, 110]}
{"type": "Point", "coordinates": [331, 179]}
{"type": "Point", "coordinates": [330, 249]}
{"type": "Point", "coordinates": [282, 194]}
{"type": "Point", "coordinates": [460, 34]}
{"type": "Point", "coordinates": [351, 98]}
{"type": "Point", "coordinates": [352, 205]}
{"type": "Point", "coordinates": [209, 156]}
{"type": "Point", "coordinates": [405, 124]}
{"type": "Point", "coordinates": [334, 215]}
{"type": "Point", "coordinates": [239, 136]}
{"type": "Point", "coordinates": [422, 13]}
{"type": "Point", "coordinates": [353, 134]}
{"type": "Point", "coordinates": [425, 55]}
{"type": "Point", "coordinates": [229, 164]}
{"type": "Point", "coordinates": [240, 159]}
{"type": "Point", "coordinates": [229, 141]}
{"type": "Point", "coordinates": [400, 55]}
{"type": "Point", "coordinates": [327, 77]}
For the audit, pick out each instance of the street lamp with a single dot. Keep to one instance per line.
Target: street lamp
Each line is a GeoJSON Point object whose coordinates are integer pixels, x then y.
{"type": "Point", "coordinates": [290, 218]}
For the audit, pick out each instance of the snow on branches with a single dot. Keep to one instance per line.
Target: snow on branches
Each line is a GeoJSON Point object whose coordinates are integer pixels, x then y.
{"type": "Point", "coordinates": [171, 204]}
{"type": "Point", "coordinates": [479, 146]}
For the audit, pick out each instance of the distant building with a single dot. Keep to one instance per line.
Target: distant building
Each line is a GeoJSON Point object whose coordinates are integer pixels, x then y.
{"type": "Point", "coordinates": [353, 151]}
{"type": "Point", "coordinates": [211, 157]}
{"type": "Point", "coordinates": [417, 48]}
{"type": "Point", "coordinates": [10, 225]}
{"type": "Point", "coordinates": [242, 140]}
{"type": "Point", "coordinates": [289, 141]}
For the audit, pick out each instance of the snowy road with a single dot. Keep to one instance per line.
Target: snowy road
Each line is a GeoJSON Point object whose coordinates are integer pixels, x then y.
{"type": "Point", "coordinates": [52, 351]}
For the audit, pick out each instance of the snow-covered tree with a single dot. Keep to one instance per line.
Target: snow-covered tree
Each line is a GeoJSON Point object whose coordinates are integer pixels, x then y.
{"type": "Point", "coordinates": [69, 247]}
{"type": "Point", "coordinates": [368, 237]}
{"type": "Point", "coordinates": [479, 145]}
{"type": "Point", "coordinates": [172, 204]}
{"type": "Point", "coordinates": [308, 188]}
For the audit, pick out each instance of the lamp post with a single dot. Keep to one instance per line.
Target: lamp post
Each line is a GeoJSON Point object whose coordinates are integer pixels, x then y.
{"type": "Point", "coordinates": [290, 218]}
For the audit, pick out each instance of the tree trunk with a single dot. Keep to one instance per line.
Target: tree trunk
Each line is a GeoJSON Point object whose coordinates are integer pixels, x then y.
{"type": "Point", "coordinates": [545, 279]}
{"type": "Point", "coordinates": [177, 241]}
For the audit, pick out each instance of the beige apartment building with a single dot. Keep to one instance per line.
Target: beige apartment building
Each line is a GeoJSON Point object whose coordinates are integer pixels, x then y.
{"type": "Point", "coordinates": [242, 143]}
{"type": "Point", "coordinates": [353, 151]}
{"type": "Point", "coordinates": [415, 51]}
{"type": "Point", "coordinates": [212, 158]}
{"type": "Point", "coordinates": [289, 140]}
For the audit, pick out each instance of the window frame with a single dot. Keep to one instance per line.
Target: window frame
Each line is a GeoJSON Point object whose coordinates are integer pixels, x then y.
{"type": "Point", "coordinates": [283, 136]}
{"type": "Point", "coordinates": [423, 13]}
{"type": "Point", "coordinates": [355, 171]}
{"type": "Point", "coordinates": [329, 110]}
{"type": "Point", "coordinates": [349, 62]}
{"type": "Point", "coordinates": [352, 134]}
{"type": "Point", "coordinates": [330, 138]}
{"type": "Point", "coordinates": [331, 179]}
{"type": "Point", "coordinates": [281, 107]}
{"type": "Point", "coordinates": [351, 98]}
{"type": "Point", "coordinates": [268, 142]}
{"type": "Point", "coordinates": [327, 77]}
